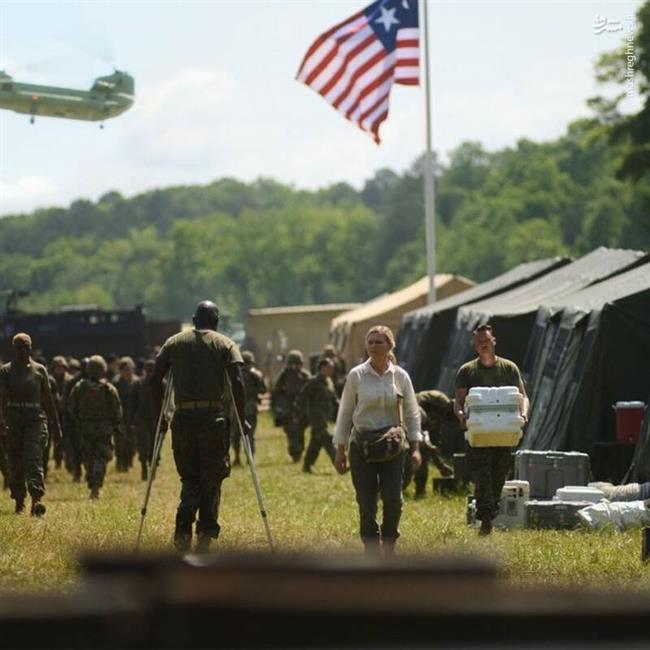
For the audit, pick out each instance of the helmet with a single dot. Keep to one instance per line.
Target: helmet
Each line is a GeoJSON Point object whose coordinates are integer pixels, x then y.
{"type": "Point", "coordinates": [294, 356]}
{"type": "Point", "coordinates": [96, 367]}
{"type": "Point", "coordinates": [248, 357]}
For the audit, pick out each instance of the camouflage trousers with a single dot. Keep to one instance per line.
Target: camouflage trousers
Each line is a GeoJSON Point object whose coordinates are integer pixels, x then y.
{"type": "Point", "coordinates": [295, 431]}
{"type": "Point", "coordinates": [144, 435]}
{"type": "Point", "coordinates": [235, 436]}
{"type": "Point", "coordinates": [26, 440]}
{"type": "Point", "coordinates": [200, 443]}
{"type": "Point", "coordinates": [430, 454]}
{"type": "Point", "coordinates": [319, 438]}
{"type": "Point", "coordinates": [125, 445]}
{"type": "Point", "coordinates": [488, 469]}
{"type": "Point", "coordinates": [96, 451]}
{"type": "Point", "coordinates": [72, 449]}
{"type": "Point", "coordinates": [4, 462]}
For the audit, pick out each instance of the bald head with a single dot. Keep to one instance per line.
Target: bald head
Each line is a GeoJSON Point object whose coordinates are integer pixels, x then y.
{"type": "Point", "coordinates": [206, 316]}
{"type": "Point", "coordinates": [22, 345]}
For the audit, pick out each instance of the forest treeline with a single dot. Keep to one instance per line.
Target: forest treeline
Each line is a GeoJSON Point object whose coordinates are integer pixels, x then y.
{"type": "Point", "coordinates": [265, 244]}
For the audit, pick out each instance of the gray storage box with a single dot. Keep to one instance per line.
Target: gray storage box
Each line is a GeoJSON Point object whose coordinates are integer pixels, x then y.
{"type": "Point", "coordinates": [560, 515]}
{"type": "Point", "coordinates": [547, 471]}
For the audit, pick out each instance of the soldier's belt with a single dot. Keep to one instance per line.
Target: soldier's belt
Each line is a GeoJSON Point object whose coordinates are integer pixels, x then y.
{"type": "Point", "coordinates": [200, 404]}
{"type": "Point", "coordinates": [29, 405]}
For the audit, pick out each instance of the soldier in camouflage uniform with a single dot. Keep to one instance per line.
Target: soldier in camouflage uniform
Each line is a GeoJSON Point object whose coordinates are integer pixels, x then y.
{"type": "Point", "coordinates": [255, 388]}
{"type": "Point", "coordinates": [488, 466]}
{"type": "Point", "coordinates": [144, 417]}
{"type": "Point", "coordinates": [436, 412]}
{"type": "Point", "coordinates": [26, 403]}
{"type": "Point", "coordinates": [95, 409]}
{"type": "Point", "coordinates": [126, 387]}
{"type": "Point", "coordinates": [290, 382]}
{"type": "Point", "coordinates": [317, 403]}
{"type": "Point", "coordinates": [340, 370]}
{"type": "Point", "coordinates": [71, 440]}
{"type": "Point", "coordinates": [199, 360]}
{"type": "Point", "coordinates": [61, 379]}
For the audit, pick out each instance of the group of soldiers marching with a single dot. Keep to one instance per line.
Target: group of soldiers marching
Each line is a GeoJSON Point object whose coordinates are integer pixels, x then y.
{"type": "Point", "coordinates": [99, 408]}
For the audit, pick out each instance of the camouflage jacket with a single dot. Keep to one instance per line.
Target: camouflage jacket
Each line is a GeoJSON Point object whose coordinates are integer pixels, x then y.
{"type": "Point", "coordinates": [95, 402]}
{"type": "Point", "coordinates": [255, 387]}
{"type": "Point", "coordinates": [317, 402]}
{"type": "Point", "coordinates": [287, 387]}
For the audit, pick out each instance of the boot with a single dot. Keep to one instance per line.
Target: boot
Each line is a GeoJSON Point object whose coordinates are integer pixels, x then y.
{"type": "Point", "coordinates": [203, 544]}
{"type": "Point", "coordinates": [486, 527]}
{"type": "Point", "coordinates": [237, 461]}
{"type": "Point", "coordinates": [182, 535]}
{"type": "Point", "coordinates": [20, 506]}
{"type": "Point", "coordinates": [76, 476]}
{"type": "Point", "coordinates": [388, 547]}
{"type": "Point", "coordinates": [144, 475]}
{"type": "Point", "coordinates": [182, 541]}
{"type": "Point", "coordinates": [94, 493]}
{"type": "Point", "coordinates": [306, 469]}
{"type": "Point", "coordinates": [371, 547]}
{"type": "Point", "coordinates": [38, 509]}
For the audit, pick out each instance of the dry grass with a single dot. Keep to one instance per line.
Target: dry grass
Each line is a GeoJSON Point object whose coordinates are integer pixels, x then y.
{"type": "Point", "coordinates": [306, 512]}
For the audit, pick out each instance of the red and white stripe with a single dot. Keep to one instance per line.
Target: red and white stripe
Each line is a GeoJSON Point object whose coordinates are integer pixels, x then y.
{"type": "Point", "coordinates": [350, 68]}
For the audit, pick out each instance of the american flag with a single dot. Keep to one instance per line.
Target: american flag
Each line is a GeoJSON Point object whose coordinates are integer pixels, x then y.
{"type": "Point", "coordinates": [354, 64]}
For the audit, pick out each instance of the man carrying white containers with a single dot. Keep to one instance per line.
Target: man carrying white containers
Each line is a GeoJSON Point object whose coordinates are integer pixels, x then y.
{"type": "Point", "coordinates": [492, 405]}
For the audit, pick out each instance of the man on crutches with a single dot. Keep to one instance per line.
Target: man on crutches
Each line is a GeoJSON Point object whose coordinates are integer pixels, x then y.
{"type": "Point", "coordinates": [200, 360]}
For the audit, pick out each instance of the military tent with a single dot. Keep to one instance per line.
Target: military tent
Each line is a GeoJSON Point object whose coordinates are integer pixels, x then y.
{"type": "Point", "coordinates": [349, 329]}
{"type": "Point", "coordinates": [513, 313]}
{"type": "Point", "coordinates": [588, 350]}
{"type": "Point", "coordinates": [424, 332]}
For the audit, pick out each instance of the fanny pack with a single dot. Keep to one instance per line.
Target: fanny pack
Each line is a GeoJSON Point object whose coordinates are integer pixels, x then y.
{"type": "Point", "coordinates": [387, 443]}
{"type": "Point", "coordinates": [381, 445]}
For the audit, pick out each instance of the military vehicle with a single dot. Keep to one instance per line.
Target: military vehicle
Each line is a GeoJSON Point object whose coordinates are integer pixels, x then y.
{"type": "Point", "coordinates": [82, 330]}
{"type": "Point", "coordinates": [109, 96]}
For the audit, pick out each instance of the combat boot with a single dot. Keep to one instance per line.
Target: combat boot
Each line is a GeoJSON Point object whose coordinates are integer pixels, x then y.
{"type": "Point", "coordinates": [388, 547]}
{"type": "Point", "coordinates": [144, 475]}
{"type": "Point", "coordinates": [94, 493]}
{"type": "Point", "coordinates": [76, 476]}
{"type": "Point", "coordinates": [203, 544]}
{"type": "Point", "coordinates": [306, 469]}
{"type": "Point", "coordinates": [486, 527]}
{"type": "Point", "coordinates": [237, 461]}
{"type": "Point", "coordinates": [20, 506]}
{"type": "Point", "coordinates": [38, 509]}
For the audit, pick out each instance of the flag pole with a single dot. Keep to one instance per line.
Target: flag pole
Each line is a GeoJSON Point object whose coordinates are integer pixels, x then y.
{"type": "Point", "coordinates": [429, 206]}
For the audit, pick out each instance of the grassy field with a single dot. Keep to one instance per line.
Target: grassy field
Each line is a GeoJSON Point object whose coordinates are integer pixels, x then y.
{"type": "Point", "coordinates": [306, 512]}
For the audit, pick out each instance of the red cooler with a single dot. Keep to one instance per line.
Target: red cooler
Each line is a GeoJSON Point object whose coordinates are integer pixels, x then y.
{"type": "Point", "coordinates": [629, 418]}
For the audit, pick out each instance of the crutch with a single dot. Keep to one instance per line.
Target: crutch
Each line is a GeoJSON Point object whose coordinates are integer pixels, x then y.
{"type": "Point", "coordinates": [251, 464]}
{"type": "Point", "coordinates": [157, 446]}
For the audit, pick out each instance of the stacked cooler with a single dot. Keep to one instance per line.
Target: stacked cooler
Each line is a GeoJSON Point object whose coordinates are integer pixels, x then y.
{"type": "Point", "coordinates": [493, 416]}
{"type": "Point", "coordinates": [558, 487]}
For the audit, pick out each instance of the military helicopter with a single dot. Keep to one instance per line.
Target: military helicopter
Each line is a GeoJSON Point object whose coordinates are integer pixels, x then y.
{"type": "Point", "coordinates": [109, 96]}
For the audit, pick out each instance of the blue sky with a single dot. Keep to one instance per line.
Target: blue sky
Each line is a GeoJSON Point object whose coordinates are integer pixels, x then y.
{"type": "Point", "coordinates": [216, 95]}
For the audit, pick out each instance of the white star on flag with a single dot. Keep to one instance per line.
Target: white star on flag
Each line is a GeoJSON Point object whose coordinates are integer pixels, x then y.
{"type": "Point", "coordinates": [387, 18]}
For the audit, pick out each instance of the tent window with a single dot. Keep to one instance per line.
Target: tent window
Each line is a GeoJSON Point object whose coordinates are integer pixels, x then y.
{"type": "Point", "coordinates": [557, 351]}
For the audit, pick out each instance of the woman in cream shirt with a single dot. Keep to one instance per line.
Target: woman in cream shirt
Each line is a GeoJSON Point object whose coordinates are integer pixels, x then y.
{"type": "Point", "coordinates": [370, 401]}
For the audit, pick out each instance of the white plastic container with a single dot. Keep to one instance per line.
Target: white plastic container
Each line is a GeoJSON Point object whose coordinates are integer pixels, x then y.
{"type": "Point", "coordinates": [579, 493]}
{"type": "Point", "coordinates": [493, 416]}
{"type": "Point", "coordinates": [512, 508]}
